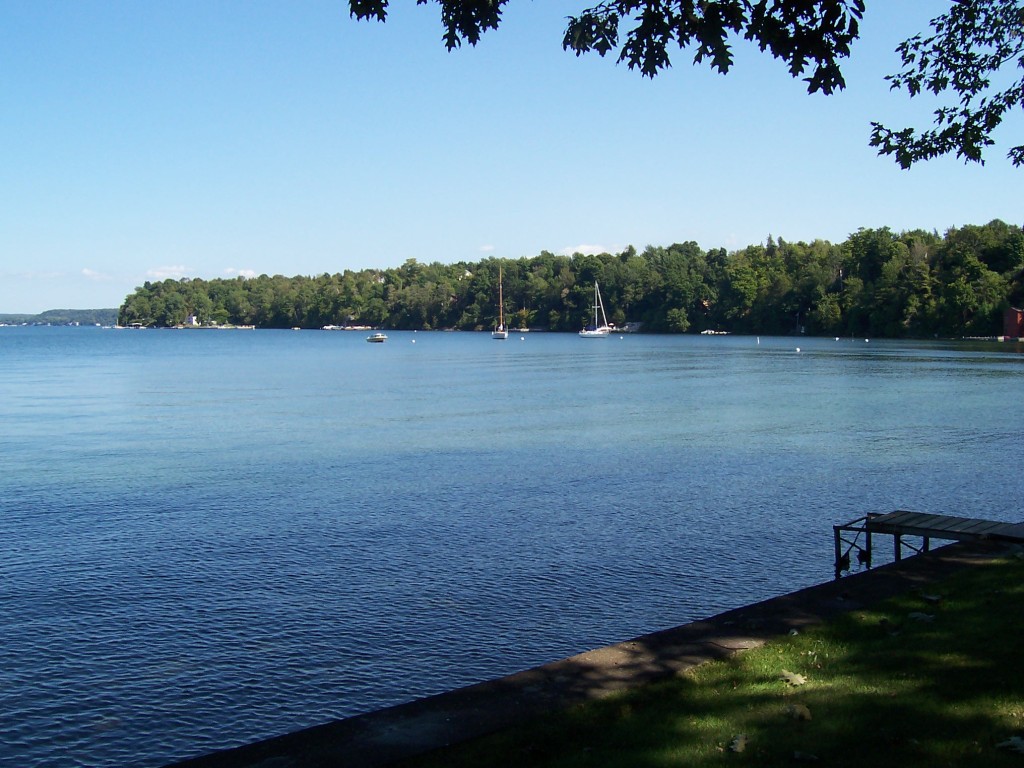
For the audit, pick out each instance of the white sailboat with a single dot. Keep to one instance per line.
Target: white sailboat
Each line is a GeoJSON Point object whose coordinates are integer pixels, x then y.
{"type": "Point", "coordinates": [500, 332]}
{"type": "Point", "coordinates": [596, 331]}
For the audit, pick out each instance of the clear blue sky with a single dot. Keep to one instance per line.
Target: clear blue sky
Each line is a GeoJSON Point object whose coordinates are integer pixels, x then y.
{"type": "Point", "coordinates": [144, 140]}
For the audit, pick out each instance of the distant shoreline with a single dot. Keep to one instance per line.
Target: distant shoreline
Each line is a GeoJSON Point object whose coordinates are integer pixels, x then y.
{"type": "Point", "coordinates": [107, 316]}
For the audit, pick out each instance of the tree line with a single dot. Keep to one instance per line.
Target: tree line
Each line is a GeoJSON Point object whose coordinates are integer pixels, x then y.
{"type": "Point", "coordinates": [876, 283]}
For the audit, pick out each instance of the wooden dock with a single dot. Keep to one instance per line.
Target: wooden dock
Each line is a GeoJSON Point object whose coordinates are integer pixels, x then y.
{"type": "Point", "coordinates": [920, 525]}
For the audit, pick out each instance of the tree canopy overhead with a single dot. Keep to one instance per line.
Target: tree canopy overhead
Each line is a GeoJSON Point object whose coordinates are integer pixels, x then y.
{"type": "Point", "coordinates": [972, 42]}
{"type": "Point", "coordinates": [806, 34]}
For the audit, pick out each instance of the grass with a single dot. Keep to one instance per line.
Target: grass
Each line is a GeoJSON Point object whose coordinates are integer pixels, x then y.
{"type": "Point", "coordinates": [931, 678]}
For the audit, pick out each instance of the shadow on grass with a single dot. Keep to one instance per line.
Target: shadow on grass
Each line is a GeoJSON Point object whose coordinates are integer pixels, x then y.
{"type": "Point", "coordinates": [880, 687]}
{"type": "Point", "coordinates": [929, 678]}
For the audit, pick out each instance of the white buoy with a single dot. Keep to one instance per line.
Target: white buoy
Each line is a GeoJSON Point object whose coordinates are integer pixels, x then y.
{"type": "Point", "coordinates": [522, 338]}
{"type": "Point", "coordinates": [414, 341]}
{"type": "Point", "coordinates": [798, 349]}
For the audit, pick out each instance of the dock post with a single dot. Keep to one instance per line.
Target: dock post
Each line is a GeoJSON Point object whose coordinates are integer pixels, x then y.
{"type": "Point", "coordinates": [927, 544]}
{"type": "Point", "coordinates": [899, 546]}
{"type": "Point", "coordinates": [839, 551]}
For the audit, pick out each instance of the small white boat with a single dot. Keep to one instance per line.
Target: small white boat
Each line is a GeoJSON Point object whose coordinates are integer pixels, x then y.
{"type": "Point", "coordinates": [500, 332]}
{"type": "Point", "coordinates": [377, 338]}
{"type": "Point", "coordinates": [596, 331]}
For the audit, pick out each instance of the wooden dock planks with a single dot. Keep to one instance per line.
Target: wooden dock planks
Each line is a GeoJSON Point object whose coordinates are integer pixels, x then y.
{"type": "Point", "coordinates": [903, 523]}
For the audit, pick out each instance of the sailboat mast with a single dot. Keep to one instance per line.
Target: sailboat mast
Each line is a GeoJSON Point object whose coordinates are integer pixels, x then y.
{"type": "Point", "coordinates": [597, 330]}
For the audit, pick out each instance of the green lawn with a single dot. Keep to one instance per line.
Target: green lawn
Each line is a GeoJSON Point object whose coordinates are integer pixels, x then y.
{"type": "Point", "coordinates": [933, 678]}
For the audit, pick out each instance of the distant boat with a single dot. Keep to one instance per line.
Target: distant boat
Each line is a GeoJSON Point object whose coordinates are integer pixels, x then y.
{"type": "Point", "coordinates": [596, 331]}
{"type": "Point", "coordinates": [500, 332]}
{"type": "Point", "coordinates": [377, 338]}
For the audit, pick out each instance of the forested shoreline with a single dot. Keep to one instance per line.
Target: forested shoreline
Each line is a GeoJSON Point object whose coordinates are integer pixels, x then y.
{"type": "Point", "coordinates": [877, 283]}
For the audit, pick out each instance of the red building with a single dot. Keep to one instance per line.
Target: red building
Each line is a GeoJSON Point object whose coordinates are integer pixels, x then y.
{"type": "Point", "coordinates": [1013, 323]}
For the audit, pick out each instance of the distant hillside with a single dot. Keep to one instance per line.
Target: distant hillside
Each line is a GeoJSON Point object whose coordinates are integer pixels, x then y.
{"type": "Point", "coordinates": [64, 317]}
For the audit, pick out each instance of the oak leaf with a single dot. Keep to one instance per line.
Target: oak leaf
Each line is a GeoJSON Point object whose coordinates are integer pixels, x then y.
{"type": "Point", "coordinates": [792, 677]}
{"type": "Point", "coordinates": [739, 743]}
{"type": "Point", "coordinates": [799, 712]}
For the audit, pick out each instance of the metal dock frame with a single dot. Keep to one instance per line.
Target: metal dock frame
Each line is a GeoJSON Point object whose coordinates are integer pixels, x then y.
{"type": "Point", "coordinates": [921, 525]}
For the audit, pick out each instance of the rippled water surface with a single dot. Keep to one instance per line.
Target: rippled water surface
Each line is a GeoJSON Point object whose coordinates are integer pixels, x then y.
{"type": "Point", "coordinates": [211, 537]}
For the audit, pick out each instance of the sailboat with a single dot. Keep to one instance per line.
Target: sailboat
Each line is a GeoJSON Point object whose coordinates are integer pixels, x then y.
{"type": "Point", "coordinates": [500, 332]}
{"type": "Point", "coordinates": [596, 331]}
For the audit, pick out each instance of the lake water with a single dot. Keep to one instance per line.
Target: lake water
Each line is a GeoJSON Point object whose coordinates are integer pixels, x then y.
{"type": "Point", "coordinates": [212, 537]}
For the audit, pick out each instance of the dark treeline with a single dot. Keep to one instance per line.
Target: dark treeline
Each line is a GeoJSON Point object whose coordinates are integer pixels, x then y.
{"type": "Point", "coordinates": [876, 283]}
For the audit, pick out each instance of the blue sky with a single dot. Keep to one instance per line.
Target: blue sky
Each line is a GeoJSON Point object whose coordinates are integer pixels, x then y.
{"type": "Point", "coordinates": [194, 139]}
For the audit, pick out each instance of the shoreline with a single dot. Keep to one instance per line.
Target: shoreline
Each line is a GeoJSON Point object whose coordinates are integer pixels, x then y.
{"type": "Point", "coordinates": [385, 736]}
